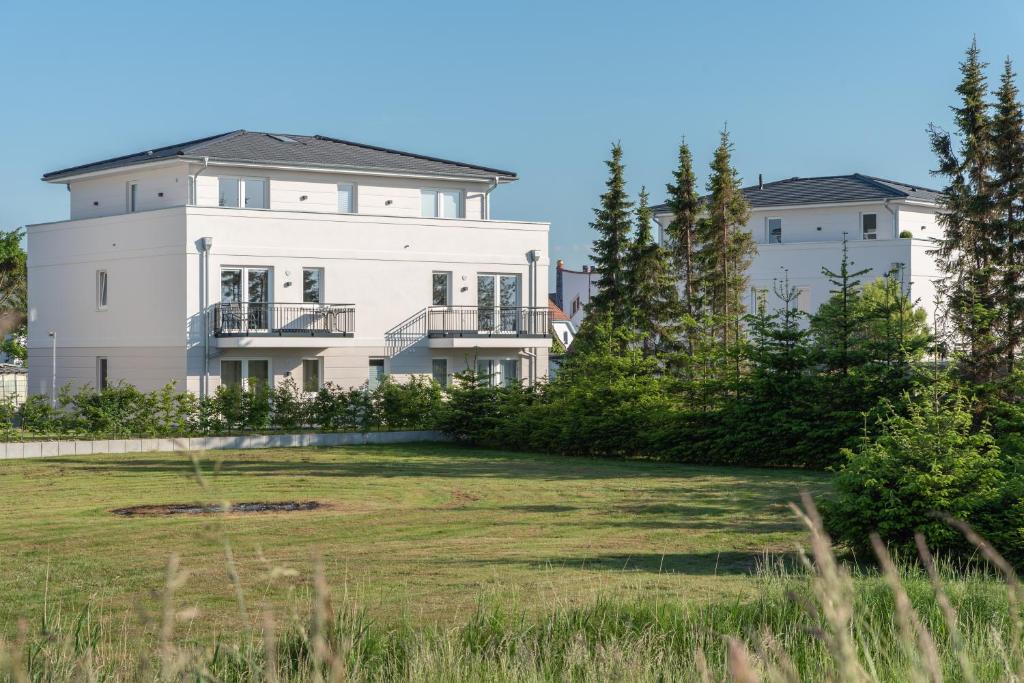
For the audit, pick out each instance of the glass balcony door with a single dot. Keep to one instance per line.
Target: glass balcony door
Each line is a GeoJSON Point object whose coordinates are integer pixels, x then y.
{"type": "Point", "coordinates": [245, 299]}
{"type": "Point", "coordinates": [497, 302]}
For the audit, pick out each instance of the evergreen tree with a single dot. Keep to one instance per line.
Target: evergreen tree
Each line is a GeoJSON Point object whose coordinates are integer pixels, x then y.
{"type": "Point", "coordinates": [681, 233]}
{"type": "Point", "coordinates": [650, 285]}
{"type": "Point", "coordinates": [837, 323]}
{"type": "Point", "coordinates": [1008, 196]}
{"type": "Point", "coordinates": [968, 249]}
{"type": "Point", "coordinates": [612, 221]}
{"type": "Point", "coordinates": [726, 248]}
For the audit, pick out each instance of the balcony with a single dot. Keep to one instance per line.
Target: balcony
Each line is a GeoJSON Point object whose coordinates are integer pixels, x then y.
{"type": "Point", "coordinates": [465, 327]}
{"type": "Point", "coordinates": [280, 325]}
{"type": "Point", "coordinates": [484, 326]}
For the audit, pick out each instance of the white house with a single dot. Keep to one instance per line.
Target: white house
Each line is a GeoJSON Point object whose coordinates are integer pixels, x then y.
{"type": "Point", "coordinates": [573, 289]}
{"type": "Point", "coordinates": [799, 225]}
{"type": "Point", "coordinates": [257, 256]}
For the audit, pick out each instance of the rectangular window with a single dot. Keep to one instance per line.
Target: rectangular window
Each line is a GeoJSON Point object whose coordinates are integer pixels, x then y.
{"type": "Point", "coordinates": [758, 299]}
{"type": "Point", "coordinates": [101, 373]}
{"type": "Point", "coordinates": [101, 290]}
{"type": "Point", "coordinates": [498, 372]}
{"type": "Point", "coordinates": [451, 204]}
{"type": "Point", "coordinates": [191, 190]}
{"type": "Point", "coordinates": [133, 197]}
{"type": "Point", "coordinates": [376, 374]}
{"type": "Point", "coordinates": [255, 193]}
{"type": "Point", "coordinates": [803, 299]}
{"type": "Point", "coordinates": [312, 285]}
{"type": "Point", "coordinates": [774, 231]}
{"type": "Point", "coordinates": [247, 193]}
{"type": "Point", "coordinates": [509, 372]}
{"type": "Point", "coordinates": [245, 373]}
{"type": "Point", "coordinates": [428, 203]}
{"type": "Point", "coordinates": [228, 188]}
{"type": "Point", "coordinates": [869, 226]}
{"type": "Point", "coordinates": [346, 198]}
{"type": "Point", "coordinates": [576, 305]}
{"type": "Point", "coordinates": [441, 204]}
{"type": "Point", "coordinates": [231, 373]}
{"type": "Point", "coordinates": [311, 375]}
{"type": "Point", "coordinates": [439, 370]}
{"type": "Point", "coordinates": [441, 289]}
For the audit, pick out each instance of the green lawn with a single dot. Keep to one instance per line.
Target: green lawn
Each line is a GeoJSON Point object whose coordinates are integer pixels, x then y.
{"type": "Point", "coordinates": [422, 530]}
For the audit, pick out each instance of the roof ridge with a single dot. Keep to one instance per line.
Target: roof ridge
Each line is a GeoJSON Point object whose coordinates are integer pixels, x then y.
{"type": "Point", "coordinates": [900, 182]}
{"type": "Point", "coordinates": [878, 183]}
{"type": "Point", "coordinates": [378, 148]}
{"type": "Point", "coordinates": [187, 146]}
{"type": "Point", "coordinates": [180, 145]}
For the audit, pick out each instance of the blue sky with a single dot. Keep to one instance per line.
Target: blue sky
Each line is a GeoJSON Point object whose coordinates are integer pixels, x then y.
{"type": "Point", "coordinates": [541, 88]}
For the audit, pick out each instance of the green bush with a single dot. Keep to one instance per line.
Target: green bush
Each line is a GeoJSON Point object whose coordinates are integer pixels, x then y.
{"type": "Point", "coordinates": [927, 462]}
{"type": "Point", "coordinates": [409, 405]}
{"type": "Point", "coordinates": [906, 235]}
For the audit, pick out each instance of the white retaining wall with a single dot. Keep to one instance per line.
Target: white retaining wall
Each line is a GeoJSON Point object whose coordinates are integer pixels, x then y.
{"type": "Point", "coordinates": [49, 449]}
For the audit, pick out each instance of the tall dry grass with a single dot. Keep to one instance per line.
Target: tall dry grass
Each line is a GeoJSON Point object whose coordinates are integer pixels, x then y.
{"type": "Point", "coordinates": [923, 621]}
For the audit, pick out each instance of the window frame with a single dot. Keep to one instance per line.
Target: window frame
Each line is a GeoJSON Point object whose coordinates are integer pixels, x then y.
{"type": "Point", "coordinates": [102, 289]}
{"type": "Point", "coordinates": [496, 371]}
{"type": "Point", "coordinates": [190, 191]}
{"type": "Point", "coordinates": [131, 197]}
{"type": "Point", "coordinates": [372, 362]}
{"type": "Point", "coordinates": [768, 229]}
{"type": "Point", "coordinates": [244, 375]}
{"type": "Point", "coordinates": [353, 198]}
{"type": "Point", "coordinates": [863, 228]}
{"type": "Point", "coordinates": [240, 181]}
{"type": "Point", "coordinates": [320, 289]}
{"type": "Point", "coordinates": [460, 209]}
{"type": "Point", "coordinates": [433, 371]}
{"type": "Point", "coordinates": [448, 287]}
{"type": "Point", "coordinates": [102, 372]}
{"type": "Point", "coordinates": [319, 373]}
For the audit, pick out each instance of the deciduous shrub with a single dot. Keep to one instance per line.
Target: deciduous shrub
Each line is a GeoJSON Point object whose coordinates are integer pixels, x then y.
{"type": "Point", "coordinates": [122, 410]}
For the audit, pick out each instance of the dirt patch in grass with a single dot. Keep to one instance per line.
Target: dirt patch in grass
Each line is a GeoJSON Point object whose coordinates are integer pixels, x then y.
{"type": "Point", "coordinates": [208, 509]}
{"type": "Point", "coordinates": [461, 498]}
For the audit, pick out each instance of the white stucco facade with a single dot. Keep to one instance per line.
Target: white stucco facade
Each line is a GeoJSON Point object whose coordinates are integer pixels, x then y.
{"type": "Point", "coordinates": [799, 240]}
{"type": "Point", "coordinates": [377, 270]}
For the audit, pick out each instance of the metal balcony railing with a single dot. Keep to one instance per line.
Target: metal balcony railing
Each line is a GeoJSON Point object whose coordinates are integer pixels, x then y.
{"type": "Point", "coordinates": [486, 321]}
{"type": "Point", "coordinates": [278, 320]}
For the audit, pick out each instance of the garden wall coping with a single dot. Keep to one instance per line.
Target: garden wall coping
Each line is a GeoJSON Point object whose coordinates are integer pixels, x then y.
{"type": "Point", "coordinates": [48, 449]}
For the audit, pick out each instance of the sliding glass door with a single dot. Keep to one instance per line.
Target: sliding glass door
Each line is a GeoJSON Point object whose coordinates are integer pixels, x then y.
{"type": "Point", "coordinates": [497, 300]}
{"type": "Point", "coordinates": [245, 298]}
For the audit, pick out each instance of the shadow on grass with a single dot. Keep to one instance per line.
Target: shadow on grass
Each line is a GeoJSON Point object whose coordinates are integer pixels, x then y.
{"type": "Point", "coordinates": [437, 460]}
{"type": "Point", "coordinates": [725, 563]}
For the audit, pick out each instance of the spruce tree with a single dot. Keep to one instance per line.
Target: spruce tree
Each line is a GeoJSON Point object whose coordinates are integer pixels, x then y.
{"type": "Point", "coordinates": [649, 283]}
{"type": "Point", "coordinates": [681, 233]}
{"type": "Point", "coordinates": [837, 323]}
{"type": "Point", "coordinates": [726, 248]}
{"type": "Point", "coordinates": [967, 251]}
{"type": "Point", "coordinates": [1008, 197]}
{"type": "Point", "coordinates": [612, 221]}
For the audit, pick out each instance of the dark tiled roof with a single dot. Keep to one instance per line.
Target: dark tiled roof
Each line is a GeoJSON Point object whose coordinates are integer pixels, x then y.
{"type": "Point", "coordinates": [831, 190]}
{"type": "Point", "coordinates": [317, 151]}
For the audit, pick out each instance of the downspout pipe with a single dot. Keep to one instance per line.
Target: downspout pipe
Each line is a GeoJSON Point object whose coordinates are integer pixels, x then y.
{"type": "Point", "coordinates": [487, 199]}
{"type": "Point", "coordinates": [205, 245]}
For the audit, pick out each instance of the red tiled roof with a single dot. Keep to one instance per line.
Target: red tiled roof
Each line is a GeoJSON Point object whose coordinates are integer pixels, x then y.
{"type": "Point", "coordinates": [555, 312]}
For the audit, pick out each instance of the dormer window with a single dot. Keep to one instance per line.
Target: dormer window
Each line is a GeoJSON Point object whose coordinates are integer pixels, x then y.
{"type": "Point", "coordinates": [242, 193]}
{"type": "Point", "coordinates": [441, 204]}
